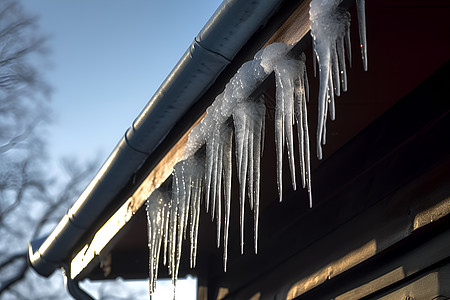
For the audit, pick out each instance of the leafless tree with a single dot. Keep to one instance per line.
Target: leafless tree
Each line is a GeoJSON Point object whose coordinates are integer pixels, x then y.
{"type": "Point", "coordinates": [23, 93]}
{"type": "Point", "coordinates": [29, 203]}
{"type": "Point", "coordinates": [31, 200]}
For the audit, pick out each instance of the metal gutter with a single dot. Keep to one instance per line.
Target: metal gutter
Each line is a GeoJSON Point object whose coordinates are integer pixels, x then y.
{"type": "Point", "coordinates": [233, 23]}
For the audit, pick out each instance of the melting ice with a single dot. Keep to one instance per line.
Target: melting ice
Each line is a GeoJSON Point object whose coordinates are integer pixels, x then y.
{"type": "Point", "coordinates": [249, 125]}
{"type": "Point", "coordinates": [330, 29]}
{"type": "Point", "coordinates": [206, 169]}
{"type": "Point", "coordinates": [291, 96]}
{"type": "Point", "coordinates": [204, 174]}
{"type": "Point", "coordinates": [157, 213]}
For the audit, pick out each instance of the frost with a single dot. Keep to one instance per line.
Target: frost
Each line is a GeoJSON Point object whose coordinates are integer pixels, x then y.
{"type": "Point", "coordinates": [330, 29]}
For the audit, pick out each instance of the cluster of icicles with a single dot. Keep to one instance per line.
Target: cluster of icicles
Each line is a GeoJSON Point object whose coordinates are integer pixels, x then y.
{"type": "Point", "coordinates": [204, 174]}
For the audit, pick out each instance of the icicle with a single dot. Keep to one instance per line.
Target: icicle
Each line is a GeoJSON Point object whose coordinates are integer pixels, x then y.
{"type": "Point", "coordinates": [341, 58]}
{"type": "Point", "coordinates": [279, 137]}
{"type": "Point", "coordinates": [188, 189]}
{"type": "Point", "coordinates": [219, 192]}
{"type": "Point", "coordinates": [287, 71]}
{"type": "Point", "coordinates": [306, 151]}
{"type": "Point", "coordinates": [195, 214]}
{"type": "Point", "coordinates": [361, 12]}
{"type": "Point", "coordinates": [301, 117]}
{"type": "Point", "coordinates": [269, 59]}
{"type": "Point", "coordinates": [194, 207]}
{"type": "Point", "coordinates": [214, 174]}
{"type": "Point", "coordinates": [167, 211]}
{"type": "Point", "coordinates": [314, 58]}
{"type": "Point", "coordinates": [330, 103]}
{"type": "Point", "coordinates": [156, 206]}
{"type": "Point", "coordinates": [348, 45]}
{"type": "Point", "coordinates": [175, 226]}
{"type": "Point", "coordinates": [258, 142]}
{"type": "Point", "coordinates": [241, 128]}
{"type": "Point", "coordinates": [330, 29]}
{"type": "Point", "coordinates": [186, 196]}
{"type": "Point", "coordinates": [248, 120]}
{"type": "Point", "coordinates": [208, 175]}
{"type": "Point", "coordinates": [250, 181]}
{"type": "Point", "coordinates": [227, 172]}
{"type": "Point", "coordinates": [285, 74]}
{"type": "Point", "coordinates": [335, 71]}
{"type": "Point", "coordinates": [194, 178]}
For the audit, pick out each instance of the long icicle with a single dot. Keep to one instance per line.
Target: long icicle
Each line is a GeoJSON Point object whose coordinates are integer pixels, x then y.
{"type": "Point", "coordinates": [330, 29]}
{"type": "Point", "coordinates": [243, 172]}
{"type": "Point", "coordinates": [181, 202]}
{"type": "Point", "coordinates": [227, 173]}
{"type": "Point", "coordinates": [279, 135]}
{"type": "Point", "coordinates": [219, 191]}
{"type": "Point", "coordinates": [156, 205]}
{"type": "Point", "coordinates": [301, 97]}
{"type": "Point", "coordinates": [195, 178]}
{"type": "Point", "coordinates": [257, 153]}
{"type": "Point", "coordinates": [216, 132]}
{"type": "Point", "coordinates": [285, 74]}
{"type": "Point", "coordinates": [361, 12]}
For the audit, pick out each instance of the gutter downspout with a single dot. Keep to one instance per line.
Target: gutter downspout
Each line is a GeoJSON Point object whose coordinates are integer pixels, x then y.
{"type": "Point", "coordinates": [72, 286]}
{"type": "Point", "coordinates": [233, 23]}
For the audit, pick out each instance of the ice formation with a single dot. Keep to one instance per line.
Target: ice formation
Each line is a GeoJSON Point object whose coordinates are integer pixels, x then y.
{"type": "Point", "coordinates": [158, 205]}
{"type": "Point", "coordinates": [206, 169]}
{"type": "Point", "coordinates": [249, 125]}
{"type": "Point", "coordinates": [330, 29]}
{"type": "Point", "coordinates": [291, 96]}
{"type": "Point", "coordinates": [187, 185]}
{"type": "Point", "coordinates": [361, 12]}
{"type": "Point", "coordinates": [205, 172]}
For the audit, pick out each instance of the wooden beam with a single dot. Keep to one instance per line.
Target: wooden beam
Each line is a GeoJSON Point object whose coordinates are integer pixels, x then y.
{"type": "Point", "coordinates": [295, 27]}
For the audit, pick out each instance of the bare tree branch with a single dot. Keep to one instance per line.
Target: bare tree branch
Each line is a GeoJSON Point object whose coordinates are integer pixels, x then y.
{"type": "Point", "coordinates": [72, 187]}
{"type": "Point", "coordinates": [24, 185]}
{"type": "Point", "coordinates": [12, 258]}
{"type": "Point", "coordinates": [31, 200]}
{"type": "Point", "coordinates": [23, 99]}
{"type": "Point", "coordinates": [17, 276]}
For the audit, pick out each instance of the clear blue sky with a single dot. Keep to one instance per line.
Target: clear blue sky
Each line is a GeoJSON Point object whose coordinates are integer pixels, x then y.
{"type": "Point", "coordinates": [108, 59]}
